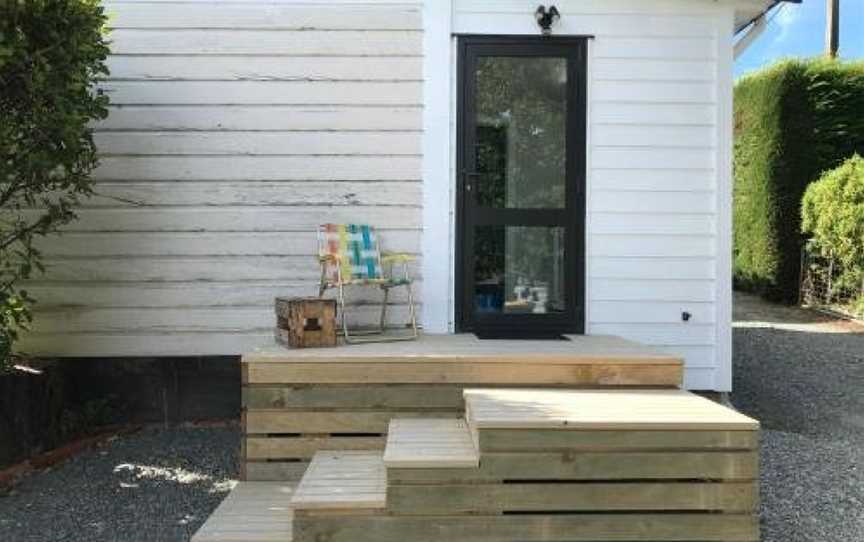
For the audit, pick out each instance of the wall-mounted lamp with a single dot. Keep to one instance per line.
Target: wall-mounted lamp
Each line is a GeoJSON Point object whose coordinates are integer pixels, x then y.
{"type": "Point", "coordinates": [546, 18]}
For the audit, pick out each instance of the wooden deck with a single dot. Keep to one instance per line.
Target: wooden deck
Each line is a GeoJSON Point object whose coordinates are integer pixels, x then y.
{"type": "Point", "coordinates": [299, 401]}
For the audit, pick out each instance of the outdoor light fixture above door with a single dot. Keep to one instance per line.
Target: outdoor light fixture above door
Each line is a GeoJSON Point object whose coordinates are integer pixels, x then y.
{"type": "Point", "coordinates": [546, 18]}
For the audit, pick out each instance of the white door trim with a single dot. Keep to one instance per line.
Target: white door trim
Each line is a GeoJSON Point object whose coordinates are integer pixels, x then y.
{"type": "Point", "coordinates": [438, 167]}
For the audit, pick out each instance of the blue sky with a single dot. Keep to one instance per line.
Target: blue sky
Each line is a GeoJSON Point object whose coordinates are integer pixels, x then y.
{"type": "Point", "coordinates": [799, 30]}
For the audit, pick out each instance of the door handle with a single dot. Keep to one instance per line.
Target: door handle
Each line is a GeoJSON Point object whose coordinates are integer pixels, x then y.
{"type": "Point", "coordinates": [470, 176]}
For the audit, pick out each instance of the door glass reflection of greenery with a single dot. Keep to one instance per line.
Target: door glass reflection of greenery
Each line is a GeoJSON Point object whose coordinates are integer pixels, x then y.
{"type": "Point", "coordinates": [519, 269]}
{"type": "Point", "coordinates": [521, 119]}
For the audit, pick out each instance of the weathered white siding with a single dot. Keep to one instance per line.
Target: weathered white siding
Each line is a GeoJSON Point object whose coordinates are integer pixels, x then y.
{"type": "Point", "coordinates": [658, 175]}
{"type": "Point", "coordinates": [235, 128]}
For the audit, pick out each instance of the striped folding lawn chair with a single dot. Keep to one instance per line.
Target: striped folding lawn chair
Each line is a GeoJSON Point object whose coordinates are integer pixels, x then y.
{"type": "Point", "coordinates": [350, 255]}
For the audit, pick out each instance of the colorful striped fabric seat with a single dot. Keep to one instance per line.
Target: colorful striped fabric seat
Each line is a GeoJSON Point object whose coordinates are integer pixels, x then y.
{"type": "Point", "coordinates": [351, 249]}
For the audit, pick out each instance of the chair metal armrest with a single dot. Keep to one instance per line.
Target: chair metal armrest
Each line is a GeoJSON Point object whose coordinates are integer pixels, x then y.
{"type": "Point", "coordinates": [396, 257]}
{"type": "Point", "coordinates": [329, 258]}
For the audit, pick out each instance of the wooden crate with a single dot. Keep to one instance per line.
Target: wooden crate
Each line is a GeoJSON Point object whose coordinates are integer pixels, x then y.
{"type": "Point", "coordinates": [305, 322]}
{"type": "Point", "coordinates": [652, 466]}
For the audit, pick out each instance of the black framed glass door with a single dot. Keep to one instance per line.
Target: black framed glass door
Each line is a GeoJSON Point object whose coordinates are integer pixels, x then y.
{"type": "Point", "coordinates": [521, 197]}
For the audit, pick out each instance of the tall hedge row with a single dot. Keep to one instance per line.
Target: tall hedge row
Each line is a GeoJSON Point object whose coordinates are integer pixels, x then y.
{"type": "Point", "coordinates": [793, 121]}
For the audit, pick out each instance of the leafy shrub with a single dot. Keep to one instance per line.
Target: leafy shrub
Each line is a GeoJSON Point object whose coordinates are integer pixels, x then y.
{"type": "Point", "coordinates": [51, 52]}
{"type": "Point", "coordinates": [793, 121]}
{"type": "Point", "coordinates": [832, 213]}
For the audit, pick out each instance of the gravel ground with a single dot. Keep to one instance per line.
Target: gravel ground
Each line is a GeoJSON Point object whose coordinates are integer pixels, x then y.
{"type": "Point", "coordinates": [155, 486]}
{"type": "Point", "coordinates": [800, 373]}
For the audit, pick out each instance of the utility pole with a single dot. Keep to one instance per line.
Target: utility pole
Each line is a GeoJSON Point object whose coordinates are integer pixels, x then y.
{"type": "Point", "coordinates": [832, 28]}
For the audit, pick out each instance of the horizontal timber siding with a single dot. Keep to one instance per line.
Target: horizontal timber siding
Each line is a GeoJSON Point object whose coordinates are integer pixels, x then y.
{"type": "Point", "coordinates": [654, 154]}
{"type": "Point", "coordinates": [235, 128]}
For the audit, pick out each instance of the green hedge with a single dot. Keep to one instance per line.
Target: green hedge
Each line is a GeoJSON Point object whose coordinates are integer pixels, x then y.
{"type": "Point", "coordinates": [832, 213]}
{"type": "Point", "coordinates": [793, 121]}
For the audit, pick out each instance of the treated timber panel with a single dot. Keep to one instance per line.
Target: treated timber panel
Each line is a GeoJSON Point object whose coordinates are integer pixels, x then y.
{"type": "Point", "coordinates": [608, 465]}
{"type": "Point", "coordinates": [733, 497]}
{"type": "Point", "coordinates": [317, 421]}
{"type": "Point", "coordinates": [487, 373]}
{"type": "Point", "coordinates": [526, 440]}
{"type": "Point", "coordinates": [359, 397]}
{"type": "Point", "coordinates": [305, 446]}
{"type": "Point", "coordinates": [254, 471]}
{"type": "Point", "coordinates": [530, 528]}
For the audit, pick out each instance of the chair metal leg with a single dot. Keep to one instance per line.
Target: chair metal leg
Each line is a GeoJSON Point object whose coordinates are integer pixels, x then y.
{"type": "Point", "coordinates": [383, 323]}
{"type": "Point", "coordinates": [412, 310]}
{"type": "Point", "coordinates": [342, 310]}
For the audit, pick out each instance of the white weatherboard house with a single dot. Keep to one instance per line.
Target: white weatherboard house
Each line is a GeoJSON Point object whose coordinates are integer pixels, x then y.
{"type": "Point", "coordinates": [591, 166]}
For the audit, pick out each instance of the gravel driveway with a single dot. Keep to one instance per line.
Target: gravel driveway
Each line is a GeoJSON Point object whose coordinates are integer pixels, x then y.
{"type": "Point", "coordinates": [801, 374]}
{"type": "Point", "coordinates": [155, 486]}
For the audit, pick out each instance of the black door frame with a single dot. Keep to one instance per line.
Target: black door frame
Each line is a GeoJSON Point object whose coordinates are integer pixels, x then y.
{"type": "Point", "coordinates": [572, 217]}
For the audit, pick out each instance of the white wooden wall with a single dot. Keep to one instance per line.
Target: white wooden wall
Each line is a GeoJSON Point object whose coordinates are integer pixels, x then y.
{"type": "Point", "coordinates": [659, 147]}
{"type": "Point", "coordinates": [235, 128]}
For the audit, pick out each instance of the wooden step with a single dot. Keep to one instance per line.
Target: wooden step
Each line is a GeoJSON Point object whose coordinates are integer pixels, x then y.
{"type": "Point", "coordinates": [431, 444]}
{"type": "Point", "coordinates": [600, 410]}
{"type": "Point", "coordinates": [252, 512]}
{"type": "Point", "coordinates": [342, 481]}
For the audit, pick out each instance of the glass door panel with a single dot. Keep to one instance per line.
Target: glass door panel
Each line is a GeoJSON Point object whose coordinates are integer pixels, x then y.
{"type": "Point", "coordinates": [521, 213]}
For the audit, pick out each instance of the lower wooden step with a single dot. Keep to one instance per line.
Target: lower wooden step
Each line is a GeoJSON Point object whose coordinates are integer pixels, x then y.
{"type": "Point", "coordinates": [252, 512]}
{"type": "Point", "coordinates": [337, 481]}
{"type": "Point", "coordinates": [530, 528]}
{"type": "Point", "coordinates": [430, 444]}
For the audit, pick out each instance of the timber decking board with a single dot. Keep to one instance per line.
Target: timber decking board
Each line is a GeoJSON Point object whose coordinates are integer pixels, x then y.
{"type": "Point", "coordinates": [530, 528]}
{"type": "Point", "coordinates": [266, 471]}
{"type": "Point", "coordinates": [600, 409]}
{"type": "Point", "coordinates": [569, 465]}
{"type": "Point", "coordinates": [447, 499]}
{"type": "Point", "coordinates": [381, 397]}
{"type": "Point", "coordinates": [316, 421]}
{"type": "Point", "coordinates": [430, 444]}
{"type": "Point", "coordinates": [460, 348]}
{"type": "Point", "coordinates": [469, 372]}
{"type": "Point", "coordinates": [305, 446]}
{"type": "Point", "coordinates": [532, 440]}
{"type": "Point", "coordinates": [343, 481]}
{"type": "Point", "coordinates": [252, 512]}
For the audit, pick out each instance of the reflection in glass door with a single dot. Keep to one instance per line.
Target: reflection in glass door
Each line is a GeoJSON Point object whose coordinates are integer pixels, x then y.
{"type": "Point", "coordinates": [521, 159]}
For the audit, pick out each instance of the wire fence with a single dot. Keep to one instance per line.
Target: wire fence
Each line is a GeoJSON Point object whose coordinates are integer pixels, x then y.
{"type": "Point", "coordinates": [825, 284]}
